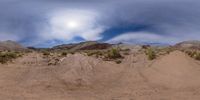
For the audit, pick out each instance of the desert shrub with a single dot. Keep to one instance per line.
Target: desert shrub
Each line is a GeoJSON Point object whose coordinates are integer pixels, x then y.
{"type": "Point", "coordinates": [90, 53]}
{"type": "Point", "coordinates": [46, 53]}
{"type": "Point", "coordinates": [193, 54]}
{"type": "Point", "coordinates": [96, 53]}
{"type": "Point", "coordinates": [71, 52]}
{"type": "Point", "coordinates": [127, 49]}
{"type": "Point", "coordinates": [169, 49]}
{"type": "Point", "coordinates": [145, 46]}
{"type": "Point", "coordinates": [114, 54]}
{"type": "Point", "coordinates": [150, 53]}
{"type": "Point", "coordinates": [196, 56]}
{"type": "Point", "coordinates": [8, 56]}
{"type": "Point", "coordinates": [64, 53]}
{"type": "Point", "coordinates": [118, 61]}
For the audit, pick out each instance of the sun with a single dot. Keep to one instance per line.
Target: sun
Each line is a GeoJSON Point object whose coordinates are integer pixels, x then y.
{"type": "Point", "coordinates": [72, 24]}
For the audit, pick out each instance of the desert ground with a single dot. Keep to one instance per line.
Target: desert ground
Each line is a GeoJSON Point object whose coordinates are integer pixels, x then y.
{"type": "Point", "coordinates": [171, 76]}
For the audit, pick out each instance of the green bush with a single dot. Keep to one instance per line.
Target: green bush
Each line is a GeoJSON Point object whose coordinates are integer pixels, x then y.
{"type": "Point", "coordinates": [8, 56]}
{"type": "Point", "coordinates": [150, 53]}
{"type": "Point", "coordinates": [114, 54]}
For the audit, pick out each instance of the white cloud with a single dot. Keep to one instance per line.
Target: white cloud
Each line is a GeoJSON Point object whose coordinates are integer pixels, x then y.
{"type": "Point", "coordinates": [68, 24]}
{"type": "Point", "coordinates": [142, 37]}
{"type": "Point", "coordinates": [93, 34]}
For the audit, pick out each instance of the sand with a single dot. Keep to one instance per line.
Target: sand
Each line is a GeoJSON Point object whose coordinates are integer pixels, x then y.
{"type": "Point", "coordinates": [176, 70]}
{"type": "Point", "coordinates": [78, 77]}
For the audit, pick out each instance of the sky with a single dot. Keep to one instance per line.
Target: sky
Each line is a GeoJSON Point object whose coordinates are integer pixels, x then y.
{"type": "Point", "coordinates": [46, 23]}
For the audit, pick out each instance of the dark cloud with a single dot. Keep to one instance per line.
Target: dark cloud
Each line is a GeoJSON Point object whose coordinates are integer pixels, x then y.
{"type": "Point", "coordinates": [29, 21]}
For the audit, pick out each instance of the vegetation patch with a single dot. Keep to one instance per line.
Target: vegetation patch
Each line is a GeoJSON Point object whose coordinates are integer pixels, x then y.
{"type": "Point", "coordinates": [118, 61]}
{"type": "Point", "coordinates": [95, 53]}
{"type": "Point", "coordinates": [64, 53]}
{"type": "Point", "coordinates": [46, 53]}
{"type": "Point", "coordinates": [9, 56]}
{"type": "Point", "coordinates": [107, 55]}
{"type": "Point", "coordinates": [150, 52]}
{"type": "Point", "coordinates": [114, 54]}
{"type": "Point", "coordinates": [193, 53]}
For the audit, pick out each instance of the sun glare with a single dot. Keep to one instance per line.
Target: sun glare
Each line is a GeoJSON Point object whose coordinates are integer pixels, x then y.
{"type": "Point", "coordinates": [72, 24]}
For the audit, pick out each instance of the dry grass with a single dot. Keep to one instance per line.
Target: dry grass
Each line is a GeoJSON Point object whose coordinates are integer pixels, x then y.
{"type": "Point", "coordinates": [46, 53]}
{"type": "Point", "coordinates": [118, 61]}
{"type": "Point", "coordinates": [107, 55]}
{"type": "Point", "coordinates": [114, 54]}
{"type": "Point", "coordinates": [151, 54]}
{"type": "Point", "coordinates": [9, 56]}
{"type": "Point", "coordinates": [193, 53]}
{"type": "Point", "coordinates": [64, 53]}
{"type": "Point", "coordinates": [95, 53]}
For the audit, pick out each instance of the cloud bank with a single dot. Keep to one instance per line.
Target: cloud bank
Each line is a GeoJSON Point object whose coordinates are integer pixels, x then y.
{"type": "Point", "coordinates": [50, 22]}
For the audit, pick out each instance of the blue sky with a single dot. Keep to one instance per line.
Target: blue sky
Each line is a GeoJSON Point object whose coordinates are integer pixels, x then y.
{"type": "Point", "coordinates": [45, 23]}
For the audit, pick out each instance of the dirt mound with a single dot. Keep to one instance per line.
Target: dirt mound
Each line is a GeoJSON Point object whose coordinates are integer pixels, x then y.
{"type": "Point", "coordinates": [72, 72]}
{"type": "Point", "coordinates": [11, 45]}
{"type": "Point", "coordinates": [80, 70]}
{"type": "Point", "coordinates": [175, 70]}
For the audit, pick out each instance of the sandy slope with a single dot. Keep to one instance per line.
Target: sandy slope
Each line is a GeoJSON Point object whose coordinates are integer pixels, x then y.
{"type": "Point", "coordinates": [176, 70]}
{"type": "Point", "coordinates": [78, 77]}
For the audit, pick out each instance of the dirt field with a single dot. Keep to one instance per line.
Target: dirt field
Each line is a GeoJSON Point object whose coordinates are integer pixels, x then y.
{"type": "Point", "coordinates": [78, 77]}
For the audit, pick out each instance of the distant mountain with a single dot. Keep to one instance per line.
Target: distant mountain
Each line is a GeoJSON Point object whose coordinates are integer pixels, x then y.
{"type": "Point", "coordinates": [88, 45]}
{"type": "Point", "coordinates": [194, 44]}
{"type": "Point", "coordinates": [11, 45]}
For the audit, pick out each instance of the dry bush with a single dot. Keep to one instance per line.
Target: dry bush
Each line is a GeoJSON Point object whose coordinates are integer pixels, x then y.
{"type": "Point", "coordinates": [150, 53]}
{"type": "Point", "coordinates": [118, 61]}
{"type": "Point", "coordinates": [126, 49]}
{"type": "Point", "coordinates": [46, 53]}
{"type": "Point", "coordinates": [114, 54]}
{"type": "Point", "coordinates": [64, 53]}
{"type": "Point", "coordinates": [197, 56]}
{"type": "Point", "coordinates": [193, 53]}
{"type": "Point", "coordinates": [72, 52]}
{"type": "Point", "coordinates": [107, 55]}
{"type": "Point", "coordinates": [8, 56]}
{"type": "Point", "coordinates": [95, 53]}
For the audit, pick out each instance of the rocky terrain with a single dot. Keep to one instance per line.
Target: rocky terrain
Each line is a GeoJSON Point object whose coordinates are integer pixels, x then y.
{"type": "Point", "coordinates": [110, 72]}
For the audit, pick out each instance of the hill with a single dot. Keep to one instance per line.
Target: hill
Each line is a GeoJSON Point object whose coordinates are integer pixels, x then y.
{"type": "Point", "coordinates": [88, 45]}
{"type": "Point", "coordinates": [194, 44]}
{"type": "Point", "coordinates": [11, 46]}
